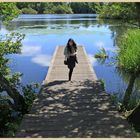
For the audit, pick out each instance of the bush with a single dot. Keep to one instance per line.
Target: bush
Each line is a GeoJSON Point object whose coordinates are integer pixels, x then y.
{"type": "Point", "coordinates": [5, 116]}
{"type": "Point", "coordinates": [62, 9]}
{"type": "Point", "coordinates": [9, 118]}
{"type": "Point", "coordinates": [28, 11]}
{"type": "Point", "coordinates": [30, 94]}
{"type": "Point", "coordinates": [101, 54]}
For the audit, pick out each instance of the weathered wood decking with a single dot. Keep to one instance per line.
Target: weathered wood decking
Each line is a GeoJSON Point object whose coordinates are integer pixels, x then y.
{"type": "Point", "coordinates": [73, 109]}
{"type": "Point", "coordinates": [59, 71]}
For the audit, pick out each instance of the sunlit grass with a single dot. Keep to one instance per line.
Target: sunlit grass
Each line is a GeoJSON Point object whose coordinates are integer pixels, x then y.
{"type": "Point", "coordinates": [129, 51]}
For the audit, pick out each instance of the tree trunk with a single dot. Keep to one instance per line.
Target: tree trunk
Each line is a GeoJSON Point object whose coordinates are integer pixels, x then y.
{"type": "Point", "coordinates": [129, 91]}
{"type": "Point", "coordinates": [19, 102]}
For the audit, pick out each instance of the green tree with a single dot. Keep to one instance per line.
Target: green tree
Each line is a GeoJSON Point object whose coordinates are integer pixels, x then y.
{"type": "Point", "coordinates": [8, 11]}
{"type": "Point", "coordinates": [8, 82]}
{"type": "Point", "coordinates": [116, 10]}
{"type": "Point", "coordinates": [11, 44]}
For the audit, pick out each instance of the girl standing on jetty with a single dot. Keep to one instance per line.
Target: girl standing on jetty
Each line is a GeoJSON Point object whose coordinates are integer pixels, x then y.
{"type": "Point", "coordinates": [70, 53]}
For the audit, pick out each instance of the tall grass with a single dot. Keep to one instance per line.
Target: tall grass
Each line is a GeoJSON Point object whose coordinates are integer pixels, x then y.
{"type": "Point", "coordinates": [129, 51]}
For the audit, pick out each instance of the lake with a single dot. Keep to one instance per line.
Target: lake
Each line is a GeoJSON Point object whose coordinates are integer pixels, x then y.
{"type": "Point", "coordinates": [45, 32]}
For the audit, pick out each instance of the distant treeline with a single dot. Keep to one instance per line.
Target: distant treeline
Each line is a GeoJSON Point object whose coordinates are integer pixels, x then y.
{"type": "Point", "coordinates": [56, 8]}
{"type": "Point", "coordinates": [129, 10]}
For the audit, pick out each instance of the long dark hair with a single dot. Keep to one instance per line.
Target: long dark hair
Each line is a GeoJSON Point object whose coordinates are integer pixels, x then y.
{"type": "Point", "coordinates": [74, 45]}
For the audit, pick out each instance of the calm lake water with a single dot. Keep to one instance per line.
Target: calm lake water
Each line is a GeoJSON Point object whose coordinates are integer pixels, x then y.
{"type": "Point", "coordinates": [45, 32]}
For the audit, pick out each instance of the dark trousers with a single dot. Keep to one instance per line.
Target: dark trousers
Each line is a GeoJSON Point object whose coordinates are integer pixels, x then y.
{"type": "Point", "coordinates": [70, 73]}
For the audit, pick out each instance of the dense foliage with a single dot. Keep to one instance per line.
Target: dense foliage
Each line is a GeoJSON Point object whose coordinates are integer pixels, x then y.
{"type": "Point", "coordinates": [83, 7]}
{"type": "Point", "coordinates": [129, 54]}
{"type": "Point", "coordinates": [58, 7]}
{"type": "Point", "coordinates": [28, 10]}
{"type": "Point", "coordinates": [8, 11]}
{"type": "Point", "coordinates": [116, 10]}
{"type": "Point", "coordinates": [15, 99]}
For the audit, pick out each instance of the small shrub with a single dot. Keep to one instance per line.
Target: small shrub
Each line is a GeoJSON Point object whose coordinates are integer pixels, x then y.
{"type": "Point", "coordinates": [101, 54]}
{"type": "Point", "coordinates": [30, 94]}
{"type": "Point", "coordinates": [28, 11]}
{"type": "Point", "coordinates": [102, 83]}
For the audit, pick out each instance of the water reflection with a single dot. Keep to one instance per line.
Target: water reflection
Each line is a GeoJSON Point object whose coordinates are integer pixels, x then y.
{"type": "Point", "coordinates": [45, 32]}
{"type": "Point", "coordinates": [42, 60]}
{"type": "Point", "coordinates": [30, 50]}
{"type": "Point", "coordinates": [93, 60]}
{"type": "Point", "coordinates": [37, 56]}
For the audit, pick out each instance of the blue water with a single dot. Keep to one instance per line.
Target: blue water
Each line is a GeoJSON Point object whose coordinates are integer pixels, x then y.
{"type": "Point", "coordinates": [45, 32]}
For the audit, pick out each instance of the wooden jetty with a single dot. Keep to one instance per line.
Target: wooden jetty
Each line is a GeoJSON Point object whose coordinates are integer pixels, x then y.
{"type": "Point", "coordinates": [59, 71]}
{"type": "Point", "coordinates": [76, 109]}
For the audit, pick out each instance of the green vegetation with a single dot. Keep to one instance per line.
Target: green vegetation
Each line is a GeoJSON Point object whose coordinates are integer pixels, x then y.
{"type": "Point", "coordinates": [60, 9]}
{"type": "Point", "coordinates": [18, 98]}
{"type": "Point", "coordinates": [127, 39]}
{"type": "Point", "coordinates": [101, 54]}
{"type": "Point", "coordinates": [57, 7]}
{"type": "Point", "coordinates": [28, 11]}
{"type": "Point", "coordinates": [129, 60]}
{"type": "Point", "coordinates": [116, 10]}
{"type": "Point", "coordinates": [83, 7]}
{"type": "Point", "coordinates": [129, 12]}
{"type": "Point", "coordinates": [102, 82]}
{"type": "Point", "coordinates": [8, 11]}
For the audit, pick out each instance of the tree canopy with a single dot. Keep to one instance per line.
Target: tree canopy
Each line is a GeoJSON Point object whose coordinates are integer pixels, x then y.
{"type": "Point", "coordinates": [116, 10]}
{"type": "Point", "coordinates": [8, 11]}
{"type": "Point", "coordinates": [18, 98]}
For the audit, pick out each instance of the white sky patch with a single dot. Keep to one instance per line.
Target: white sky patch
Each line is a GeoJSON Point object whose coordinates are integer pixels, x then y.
{"type": "Point", "coordinates": [100, 44]}
{"type": "Point", "coordinates": [30, 50]}
{"type": "Point", "coordinates": [42, 60]}
{"type": "Point", "coordinates": [92, 59]}
{"type": "Point", "coordinates": [110, 49]}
